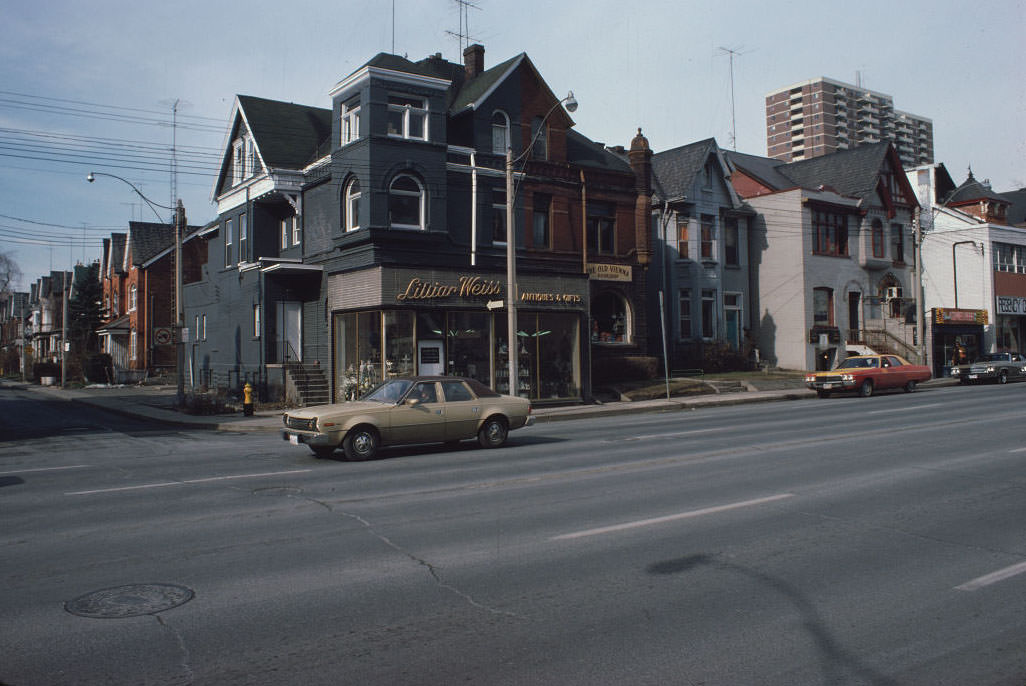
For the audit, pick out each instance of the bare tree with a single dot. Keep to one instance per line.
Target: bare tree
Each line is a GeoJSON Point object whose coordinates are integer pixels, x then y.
{"type": "Point", "coordinates": [9, 272]}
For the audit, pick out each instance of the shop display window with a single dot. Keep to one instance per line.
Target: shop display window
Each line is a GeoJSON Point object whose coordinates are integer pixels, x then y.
{"type": "Point", "coordinates": [467, 345]}
{"type": "Point", "coordinates": [551, 346]}
{"type": "Point", "coordinates": [609, 319]}
{"type": "Point", "coordinates": [399, 347]}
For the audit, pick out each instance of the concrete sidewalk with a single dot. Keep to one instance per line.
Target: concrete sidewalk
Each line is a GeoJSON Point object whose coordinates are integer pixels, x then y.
{"type": "Point", "coordinates": [156, 403]}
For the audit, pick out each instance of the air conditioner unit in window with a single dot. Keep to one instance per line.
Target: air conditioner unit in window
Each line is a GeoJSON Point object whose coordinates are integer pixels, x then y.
{"type": "Point", "coordinates": [893, 293]}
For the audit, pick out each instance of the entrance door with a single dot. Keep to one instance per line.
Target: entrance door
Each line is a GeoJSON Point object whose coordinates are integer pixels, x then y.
{"type": "Point", "coordinates": [290, 331]}
{"type": "Point", "coordinates": [853, 316]}
{"type": "Point", "coordinates": [430, 358]}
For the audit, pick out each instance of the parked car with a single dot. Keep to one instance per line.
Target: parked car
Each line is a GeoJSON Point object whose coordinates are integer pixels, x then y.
{"type": "Point", "coordinates": [999, 367]}
{"type": "Point", "coordinates": [427, 409]}
{"type": "Point", "coordinates": [866, 374]}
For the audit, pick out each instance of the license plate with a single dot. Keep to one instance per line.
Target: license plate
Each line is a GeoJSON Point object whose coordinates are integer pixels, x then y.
{"type": "Point", "coordinates": [973, 376]}
{"type": "Point", "coordinates": [293, 439]}
{"type": "Point", "coordinates": [827, 386]}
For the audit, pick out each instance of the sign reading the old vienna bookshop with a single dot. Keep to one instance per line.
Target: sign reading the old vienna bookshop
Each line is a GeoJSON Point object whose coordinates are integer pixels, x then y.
{"type": "Point", "coordinates": [610, 272]}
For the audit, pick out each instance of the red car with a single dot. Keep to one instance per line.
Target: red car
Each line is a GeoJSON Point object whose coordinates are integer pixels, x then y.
{"type": "Point", "coordinates": [866, 374]}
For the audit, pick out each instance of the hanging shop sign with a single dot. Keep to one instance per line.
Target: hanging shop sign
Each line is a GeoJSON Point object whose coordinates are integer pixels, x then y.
{"type": "Point", "coordinates": [947, 315]}
{"type": "Point", "coordinates": [1011, 305]}
{"type": "Point", "coordinates": [610, 272]}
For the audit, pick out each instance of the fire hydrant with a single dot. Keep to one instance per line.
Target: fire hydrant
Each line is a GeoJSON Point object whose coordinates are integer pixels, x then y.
{"type": "Point", "coordinates": [247, 400]}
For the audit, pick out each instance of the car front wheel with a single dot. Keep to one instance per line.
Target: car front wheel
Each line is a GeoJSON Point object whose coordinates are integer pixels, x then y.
{"type": "Point", "coordinates": [493, 433]}
{"type": "Point", "coordinates": [910, 387]}
{"type": "Point", "coordinates": [360, 444]}
{"type": "Point", "coordinates": [866, 389]}
{"type": "Point", "coordinates": [1003, 377]}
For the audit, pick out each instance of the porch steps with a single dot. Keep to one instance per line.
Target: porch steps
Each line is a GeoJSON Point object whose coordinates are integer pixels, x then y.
{"type": "Point", "coordinates": [309, 382]}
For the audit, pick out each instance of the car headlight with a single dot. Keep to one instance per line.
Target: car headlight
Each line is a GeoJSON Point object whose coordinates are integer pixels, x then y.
{"type": "Point", "coordinates": [955, 371]}
{"type": "Point", "coordinates": [991, 370]}
{"type": "Point", "coordinates": [847, 378]}
{"type": "Point", "coordinates": [810, 379]}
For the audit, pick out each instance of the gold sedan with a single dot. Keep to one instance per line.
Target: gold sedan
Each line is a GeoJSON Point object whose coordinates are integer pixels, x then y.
{"type": "Point", "coordinates": [426, 409]}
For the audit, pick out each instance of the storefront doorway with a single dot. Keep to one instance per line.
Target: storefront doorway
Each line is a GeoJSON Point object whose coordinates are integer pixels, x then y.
{"type": "Point", "coordinates": [430, 358]}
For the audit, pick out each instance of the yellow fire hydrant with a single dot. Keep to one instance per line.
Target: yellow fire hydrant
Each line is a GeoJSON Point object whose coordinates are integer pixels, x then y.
{"type": "Point", "coordinates": [247, 400]}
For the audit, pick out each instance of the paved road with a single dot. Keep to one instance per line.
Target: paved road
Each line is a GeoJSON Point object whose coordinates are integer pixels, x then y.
{"type": "Point", "coordinates": [843, 541]}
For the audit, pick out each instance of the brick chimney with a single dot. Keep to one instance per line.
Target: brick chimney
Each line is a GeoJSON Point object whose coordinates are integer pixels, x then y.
{"type": "Point", "coordinates": [473, 60]}
{"type": "Point", "coordinates": [640, 156]}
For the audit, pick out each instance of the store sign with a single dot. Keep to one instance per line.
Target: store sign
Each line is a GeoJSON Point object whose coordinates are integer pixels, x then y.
{"type": "Point", "coordinates": [1007, 304]}
{"type": "Point", "coordinates": [610, 272]}
{"type": "Point", "coordinates": [465, 287]}
{"type": "Point", "coordinates": [946, 315]}
{"type": "Point", "coordinates": [556, 298]}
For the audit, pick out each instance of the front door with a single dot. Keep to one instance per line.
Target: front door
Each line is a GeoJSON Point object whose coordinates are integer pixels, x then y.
{"type": "Point", "coordinates": [853, 316]}
{"type": "Point", "coordinates": [420, 422]}
{"type": "Point", "coordinates": [430, 358]}
{"type": "Point", "coordinates": [290, 331]}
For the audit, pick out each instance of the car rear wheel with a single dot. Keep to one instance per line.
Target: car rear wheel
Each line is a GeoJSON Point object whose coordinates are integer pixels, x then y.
{"type": "Point", "coordinates": [360, 444]}
{"type": "Point", "coordinates": [866, 389]}
{"type": "Point", "coordinates": [493, 433]}
{"type": "Point", "coordinates": [910, 387]}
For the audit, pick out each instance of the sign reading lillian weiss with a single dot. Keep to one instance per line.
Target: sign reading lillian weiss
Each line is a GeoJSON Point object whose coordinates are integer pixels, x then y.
{"type": "Point", "coordinates": [465, 287]}
{"type": "Point", "coordinates": [1007, 304]}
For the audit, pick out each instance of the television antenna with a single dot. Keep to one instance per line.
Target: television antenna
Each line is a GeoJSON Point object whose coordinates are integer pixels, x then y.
{"type": "Point", "coordinates": [464, 7]}
{"type": "Point", "coordinates": [731, 52]}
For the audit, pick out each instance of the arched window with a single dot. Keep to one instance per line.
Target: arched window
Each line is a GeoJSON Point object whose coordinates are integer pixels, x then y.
{"type": "Point", "coordinates": [610, 319]}
{"type": "Point", "coordinates": [500, 132]}
{"type": "Point", "coordinates": [540, 144]}
{"type": "Point", "coordinates": [351, 206]}
{"type": "Point", "coordinates": [406, 203]}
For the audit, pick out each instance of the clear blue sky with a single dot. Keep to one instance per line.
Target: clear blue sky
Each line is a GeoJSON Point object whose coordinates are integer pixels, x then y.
{"type": "Point", "coordinates": [89, 86]}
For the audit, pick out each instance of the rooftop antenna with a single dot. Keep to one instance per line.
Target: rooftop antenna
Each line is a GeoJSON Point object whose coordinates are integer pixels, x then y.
{"type": "Point", "coordinates": [733, 120]}
{"type": "Point", "coordinates": [464, 32]}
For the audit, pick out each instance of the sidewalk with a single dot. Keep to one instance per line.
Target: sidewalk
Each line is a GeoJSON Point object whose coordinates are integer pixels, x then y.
{"type": "Point", "coordinates": [156, 403]}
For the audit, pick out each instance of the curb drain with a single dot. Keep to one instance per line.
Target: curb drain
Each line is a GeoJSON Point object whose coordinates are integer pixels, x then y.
{"type": "Point", "coordinates": [129, 601]}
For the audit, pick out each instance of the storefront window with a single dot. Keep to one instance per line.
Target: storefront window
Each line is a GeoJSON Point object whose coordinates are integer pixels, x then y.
{"type": "Point", "coordinates": [358, 340]}
{"type": "Point", "coordinates": [399, 347]}
{"type": "Point", "coordinates": [467, 337]}
{"type": "Point", "coordinates": [551, 348]}
{"type": "Point", "coordinates": [609, 319]}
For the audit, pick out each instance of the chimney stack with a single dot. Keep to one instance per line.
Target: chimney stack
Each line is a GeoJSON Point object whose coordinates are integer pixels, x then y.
{"type": "Point", "coordinates": [473, 60]}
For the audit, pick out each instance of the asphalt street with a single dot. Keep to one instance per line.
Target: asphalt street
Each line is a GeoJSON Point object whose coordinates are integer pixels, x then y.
{"type": "Point", "coordinates": [838, 541]}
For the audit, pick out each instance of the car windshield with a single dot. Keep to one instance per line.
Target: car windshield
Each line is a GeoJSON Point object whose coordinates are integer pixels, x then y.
{"type": "Point", "coordinates": [389, 391]}
{"type": "Point", "coordinates": [993, 357]}
{"type": "Point", "coordinates": [859, 363]}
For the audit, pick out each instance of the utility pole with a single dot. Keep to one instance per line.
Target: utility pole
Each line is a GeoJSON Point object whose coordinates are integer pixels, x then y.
{"type": "Point", "coordinates": [179, 305]}
{"type": "Point", "coordinates": [917, 237]}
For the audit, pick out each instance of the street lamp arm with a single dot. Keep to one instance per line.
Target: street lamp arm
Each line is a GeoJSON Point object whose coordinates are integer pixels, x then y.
{"type": "Point", "coordinates": [153, 206]}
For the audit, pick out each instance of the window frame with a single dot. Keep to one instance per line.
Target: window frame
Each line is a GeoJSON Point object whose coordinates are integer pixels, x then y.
{"type": "Point", "coordinates": [407, 111]}
{"type": "Point", "coordinates": [399, 193]}
{"type": "Point", "coordinates": [499, 214]}
{"type": "Point", "coordinates": [351, 205]}
{"type": "Point", "coordinates": [133, 297]}
{"type": "Point", "coordinates": [297, 234]}
{"type": "Point", "coordinates": [228, 240]}
{"type": "Point", "coordinates": [243, 237]}
{"type": "Point", "coordinates": [349, 122]}
{"type": "Point", "coordinates": [256, 320]}
{"type": "Point", "coordinates": [817, 320]}
{"type": "Point", "coordinates": [539, 138]}
{"type": "Point", "coordinates": [504, 126]}
{"type": "Point", "coordinates": [707, 248]}
{"type": "Point", "coordinates": [877, 232]}
{"type": "Point", "coordinates": [601, 228]}
{"type": "Point", "coordinates": [732, 242]}
{"type": "Point", "coordinates": [829, 233]}
{"type": "Point", "coordinates": [545, 217]}
{"type": "Point", "coordinates": [683, 237]}
{"type": "Point", "coordinates": [684, 314]}
{"type": "Point", "coordinates": [709, 314]}
{"type": "Point", "coordinates": [898, 242]}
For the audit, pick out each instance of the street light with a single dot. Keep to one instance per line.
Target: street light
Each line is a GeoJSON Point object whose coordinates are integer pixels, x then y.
{"type": "Point", "coordinates": [179, 223]}
{"type": "Point", "coordinates": [511, 248]}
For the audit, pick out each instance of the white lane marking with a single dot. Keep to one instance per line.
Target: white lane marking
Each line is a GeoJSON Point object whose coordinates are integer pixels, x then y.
{"type": "Point", "coordinates": [45, 469]}
{"type": "Point", "coordinates": [906, 409]}
{"type": "Point", "coordinates": [993, 578]}
{"type": "Point", "coordinates": [671, 518]}
{"type": "Point", "coordinates": [1018, 450]}
{"type": "Point", "coordinates": [187, 481]}
{"type": "Point", "coordinates": [669, 435]}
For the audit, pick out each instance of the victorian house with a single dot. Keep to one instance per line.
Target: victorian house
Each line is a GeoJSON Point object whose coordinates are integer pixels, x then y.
{"type": "Point", "coordinates": [369, 240]}
{"type": "Point", "coordinates": [701, 260]}
{"type": "Point", "coordinates": [832, 255]}
{"type": "Point", "coordinates": [137, 285]}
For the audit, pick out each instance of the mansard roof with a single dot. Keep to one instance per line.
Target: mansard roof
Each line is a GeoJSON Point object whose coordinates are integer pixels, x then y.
{"type": "Point", "coordinates": [971, 191]}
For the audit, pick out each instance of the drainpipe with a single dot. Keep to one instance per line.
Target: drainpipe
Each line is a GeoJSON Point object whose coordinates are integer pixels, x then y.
{"type": "Point", "coordinates": [473, 209]}
{"type": "Point", "coordinates": [584, 226]}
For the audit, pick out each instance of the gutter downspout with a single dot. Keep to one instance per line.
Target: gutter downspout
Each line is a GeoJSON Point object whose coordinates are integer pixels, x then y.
{"type": "Point", "coordinates": [584, 225]}
{"type": "Point", "coordinates": [473, 209]}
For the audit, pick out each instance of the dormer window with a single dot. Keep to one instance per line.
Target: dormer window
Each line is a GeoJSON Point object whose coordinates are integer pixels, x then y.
{"type": "Point", "coordinates": [243, 159]}
{"type": "Point", "coordinates": [350, 121]}
{"type": "Point", "coordinates": [539, 139]}
{"type": "Point", "coordinates": [407, 117]}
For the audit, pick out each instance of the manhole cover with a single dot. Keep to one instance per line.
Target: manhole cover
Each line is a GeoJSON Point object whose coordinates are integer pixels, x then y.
{"type": "Point", "coordinates": [129, 601]}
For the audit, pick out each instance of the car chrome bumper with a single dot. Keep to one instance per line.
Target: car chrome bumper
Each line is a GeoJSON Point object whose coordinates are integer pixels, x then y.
{"type": "Point", "coordinates": [306, 438]}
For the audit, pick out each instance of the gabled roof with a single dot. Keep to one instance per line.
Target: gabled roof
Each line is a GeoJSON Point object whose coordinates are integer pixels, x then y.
{"type": "Point", "coordinates": [763, 169]}
{"type": "Point", "coordinates": [480, 87]}
{"type": "Point", "coordinates": [585, 152]}
{"type": "Point", "coordinates": [674, 171]}
{"type": "Point", "coordinates": [146, 240]}
{"type": "Point", "coordinates": [1016, 212]}
{"type": "Point", "coordinates": [287, 136]}
{"type": "Point", "coordinates": [116, 263]}
{"type": "Point", "coordinates": [854, 172]}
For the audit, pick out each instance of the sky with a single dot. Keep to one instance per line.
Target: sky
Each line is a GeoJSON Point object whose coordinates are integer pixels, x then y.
{"type": "Point", "coordinates": [92, 86]}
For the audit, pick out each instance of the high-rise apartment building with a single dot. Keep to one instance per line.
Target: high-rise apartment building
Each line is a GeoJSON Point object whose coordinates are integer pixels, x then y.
{"type": "Point", "coordinates": [821, 116]}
